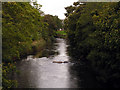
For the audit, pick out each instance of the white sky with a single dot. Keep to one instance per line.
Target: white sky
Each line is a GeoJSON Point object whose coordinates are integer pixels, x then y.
{"type": "Point", "coordinates": [55, 7]}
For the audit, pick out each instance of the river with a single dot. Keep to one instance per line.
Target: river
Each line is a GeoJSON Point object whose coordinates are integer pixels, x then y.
{"type": "Point", "coordinates": [43, 73]}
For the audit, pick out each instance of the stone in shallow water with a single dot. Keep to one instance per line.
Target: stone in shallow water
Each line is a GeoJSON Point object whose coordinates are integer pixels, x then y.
{"type": "Point", "coordinates": [57, 62]}
{"type": "Point", "coordinates": [65, 61]}
{"type": "Point", "coordinates": [60, 61]}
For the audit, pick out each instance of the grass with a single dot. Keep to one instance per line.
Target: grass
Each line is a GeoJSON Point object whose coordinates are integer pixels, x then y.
{"type": "Point", "coordinates": [61, 32]}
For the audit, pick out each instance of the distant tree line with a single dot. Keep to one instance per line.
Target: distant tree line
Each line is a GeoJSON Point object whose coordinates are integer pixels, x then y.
{"type": "Point", "coordinates": [93, 31]}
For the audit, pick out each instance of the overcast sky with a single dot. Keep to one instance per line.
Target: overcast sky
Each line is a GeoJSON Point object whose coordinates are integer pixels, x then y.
{"type": "Point", "coordinates": [55, 7]}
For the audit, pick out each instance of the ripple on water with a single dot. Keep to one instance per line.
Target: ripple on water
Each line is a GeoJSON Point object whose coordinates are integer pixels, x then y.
{"type": "Point", "coordinates": [43, 73]}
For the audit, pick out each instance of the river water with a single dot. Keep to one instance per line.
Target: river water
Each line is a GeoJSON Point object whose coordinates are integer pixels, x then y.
{"type": "Point", "coordinates": [43, 73]}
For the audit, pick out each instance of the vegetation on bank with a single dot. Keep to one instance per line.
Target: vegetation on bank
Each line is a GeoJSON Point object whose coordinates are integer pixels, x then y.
{"type": "Point", "coordinates": [25, 31]}
{"type": "Point", "coordinates": [61, 34]}
{"type": "Point", "coordinates": [93, 31]}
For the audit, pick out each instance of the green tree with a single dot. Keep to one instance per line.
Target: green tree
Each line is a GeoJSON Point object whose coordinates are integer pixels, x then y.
{"type": "Point", "coordinates": [93, 34]}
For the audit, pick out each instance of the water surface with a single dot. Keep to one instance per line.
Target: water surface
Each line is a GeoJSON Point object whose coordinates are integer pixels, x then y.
{"type": "Point", "coordinates": [43, 73]}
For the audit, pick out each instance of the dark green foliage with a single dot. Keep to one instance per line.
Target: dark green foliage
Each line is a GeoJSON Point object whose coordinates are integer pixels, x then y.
{"type": "Point", "coordinates": [54, 24]}
{"type": "Point", "coordinates": [22, 24]}
{"type": "Point", "coordinates": [93, 31]}
{"type": "Point", "coordinates": [7, 69]}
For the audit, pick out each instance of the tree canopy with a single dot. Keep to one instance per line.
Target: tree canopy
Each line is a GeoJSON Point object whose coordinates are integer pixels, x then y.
{"type": "Point", "coordinates": [93, 31]}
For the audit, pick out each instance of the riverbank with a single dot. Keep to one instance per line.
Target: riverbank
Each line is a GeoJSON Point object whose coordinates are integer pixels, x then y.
{"type": "Point", "coordinates": [42, 72]}
{"type": "Point", "coordinates": [25, 32]}
{"type": "Point", "coordinates": [94, 37]}
{"type": "Point", "coordinates": [36, 48]}
{"type": "Point", "coordinates": [61, 34]}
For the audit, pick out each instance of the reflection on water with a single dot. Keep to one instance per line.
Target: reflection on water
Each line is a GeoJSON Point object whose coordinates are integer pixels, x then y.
{"type": "Point", "coordinates": [43, 73]}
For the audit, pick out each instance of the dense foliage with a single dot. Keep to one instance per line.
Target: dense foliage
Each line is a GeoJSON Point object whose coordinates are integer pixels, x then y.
{"type": "Point", "coordinates": [54, 24]}
{"type": "Point", "coordinates": [93, 31]}
{"type": "Point", "coordinates": [24, 29]}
